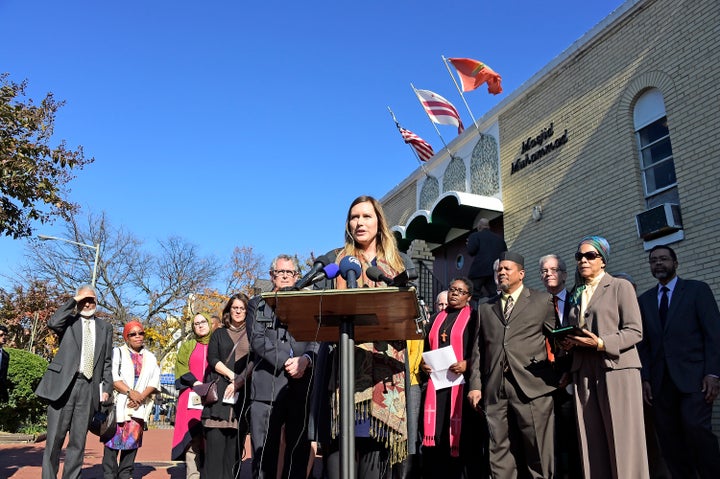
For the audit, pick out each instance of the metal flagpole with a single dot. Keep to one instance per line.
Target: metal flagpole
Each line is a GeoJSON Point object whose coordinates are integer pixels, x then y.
{"type": "Point", "coordinates": [397, 124]}
{"type": "Point", "coordinates": [459, 90]}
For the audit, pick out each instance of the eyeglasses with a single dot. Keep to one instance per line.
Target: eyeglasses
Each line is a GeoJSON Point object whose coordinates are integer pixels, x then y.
{"type": "Point", "coordinates": [285, 272]}
{"type": "Point", "coordinates": [551, 271]}
{"type": "Point", "coordinates": [238, 308]}
{"type": "Point", "coordinates": [458, 291]}
{"type": "Point", "coordinates": [200, 323]}
{"type": "Point", "coordinates": [590, 255]}
{"type": "Point", "coordinates": [138, 333]}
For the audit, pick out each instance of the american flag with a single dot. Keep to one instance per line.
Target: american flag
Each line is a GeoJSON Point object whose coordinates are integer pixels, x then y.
{"type": "Point", "coordinates": [439, 109]}
{"type": "Point", "coordinates": [421, 147]}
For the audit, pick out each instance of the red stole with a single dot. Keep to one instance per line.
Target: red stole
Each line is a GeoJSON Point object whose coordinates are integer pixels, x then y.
{"type": "Point", "coordinates": [456, 392]}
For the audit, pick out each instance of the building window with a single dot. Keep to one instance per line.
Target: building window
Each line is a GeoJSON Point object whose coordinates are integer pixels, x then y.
{"type": "Point", "coordinates": [656, 157]}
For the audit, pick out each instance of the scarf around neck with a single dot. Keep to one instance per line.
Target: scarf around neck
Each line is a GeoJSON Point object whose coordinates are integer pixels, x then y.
{"type": "Point", "coordinates": [456, 392]}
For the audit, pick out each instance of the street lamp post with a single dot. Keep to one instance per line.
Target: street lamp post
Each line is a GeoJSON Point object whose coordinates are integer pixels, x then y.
{"type": "Point", "coordinates": [96, 247]}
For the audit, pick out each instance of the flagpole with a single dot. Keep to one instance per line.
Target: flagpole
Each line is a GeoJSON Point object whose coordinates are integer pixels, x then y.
{"type": "Point", "coordinates": [417, 156]}
{"type": "Point", "coordinates": [459, 90]}
{"type": "Point", "coordinates": [430, 119]}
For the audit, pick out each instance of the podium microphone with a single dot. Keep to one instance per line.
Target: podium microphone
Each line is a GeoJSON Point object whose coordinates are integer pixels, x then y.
{"type": "Point", "coordinates": [331, 271]}
{"type": "Point", "coordinates": [350, 270]}
{"type": "Point", "coordinates": [376, 274]}
{"type": "Point", "coordinates": [313, 275]}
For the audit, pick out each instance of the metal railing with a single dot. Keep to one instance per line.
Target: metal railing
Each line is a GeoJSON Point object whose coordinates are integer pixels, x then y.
{"type": "Point", "coordinates": [428, 285]}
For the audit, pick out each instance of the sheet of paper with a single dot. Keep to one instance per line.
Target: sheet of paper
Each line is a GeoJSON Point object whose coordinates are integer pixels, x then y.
{"type": "Point", "coordinates": [232, 399]}
{"type": "Point", "coordinates": [194, 401]}
{"type": "Point", "coordinates": [440, 361]}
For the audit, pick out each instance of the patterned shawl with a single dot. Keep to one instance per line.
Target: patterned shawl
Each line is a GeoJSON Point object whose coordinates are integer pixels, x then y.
{"type": "Point", "coordinates": [379, 386]}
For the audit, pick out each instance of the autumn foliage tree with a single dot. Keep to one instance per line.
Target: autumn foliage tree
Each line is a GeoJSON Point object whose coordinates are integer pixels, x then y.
{"type": "Point", "coordinates": [25, 311]}
{"type": "Point", "coordinates": [33, 174]}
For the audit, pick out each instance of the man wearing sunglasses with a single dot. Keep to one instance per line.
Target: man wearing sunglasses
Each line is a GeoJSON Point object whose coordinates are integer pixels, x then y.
{"type": "Point", "coordinates": [72, 381]}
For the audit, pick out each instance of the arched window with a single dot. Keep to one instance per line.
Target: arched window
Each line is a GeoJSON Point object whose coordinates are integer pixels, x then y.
{"type": "Point", "coordinates": [656, 157]}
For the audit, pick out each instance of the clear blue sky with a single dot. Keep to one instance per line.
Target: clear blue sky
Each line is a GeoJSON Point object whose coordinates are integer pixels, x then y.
{"type": "Point", "coordinates": [257, 123]}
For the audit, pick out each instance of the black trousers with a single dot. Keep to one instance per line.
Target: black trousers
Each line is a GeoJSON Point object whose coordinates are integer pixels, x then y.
{"type": "Point", "coordinates": [683, 423]}
{"type": "Point", "coordinates": [122, 470]}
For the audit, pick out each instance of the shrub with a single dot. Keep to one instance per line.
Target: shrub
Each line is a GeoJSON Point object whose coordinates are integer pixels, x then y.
{"type": "Point", "coordinates": [24, 410]}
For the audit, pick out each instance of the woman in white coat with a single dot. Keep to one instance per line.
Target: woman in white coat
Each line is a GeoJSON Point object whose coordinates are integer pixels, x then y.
{"type": "Point", "coordinates": [136, 376]}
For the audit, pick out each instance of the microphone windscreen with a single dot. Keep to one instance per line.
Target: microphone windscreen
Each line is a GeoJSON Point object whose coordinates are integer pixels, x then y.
{"type": "Point", "coordinates": [375, 274]}
{"type": "Point", "coordinates": [331, 271]}
{"type": "Point", "coordinates": [350, 263]}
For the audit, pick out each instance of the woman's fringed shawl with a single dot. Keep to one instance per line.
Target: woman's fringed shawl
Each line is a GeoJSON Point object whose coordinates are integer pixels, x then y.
{"type": "Point", "coordinates": [379, 389]}
{"type": "Point", "coordinates": [456, 392]}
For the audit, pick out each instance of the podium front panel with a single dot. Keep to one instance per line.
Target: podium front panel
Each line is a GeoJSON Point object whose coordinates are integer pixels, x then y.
{"type": "Point", "coordinates": [377, 313]}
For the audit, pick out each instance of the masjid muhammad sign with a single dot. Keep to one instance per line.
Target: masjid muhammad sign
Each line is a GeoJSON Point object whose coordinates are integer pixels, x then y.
{"type": "Point", "coordinates": [538, 146]}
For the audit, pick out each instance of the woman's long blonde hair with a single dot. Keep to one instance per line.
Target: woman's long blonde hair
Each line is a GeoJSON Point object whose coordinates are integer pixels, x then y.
{"type": "Point", "coordinates": [386, 245]}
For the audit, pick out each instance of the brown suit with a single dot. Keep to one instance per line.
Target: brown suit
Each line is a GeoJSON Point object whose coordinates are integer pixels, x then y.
{"type": "Point", "coordinates": [517, 401]}
{"type": "Point", "coordinates": [608, 391]}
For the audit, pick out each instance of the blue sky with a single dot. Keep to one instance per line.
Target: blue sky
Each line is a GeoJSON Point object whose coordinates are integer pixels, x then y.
{"type": "Point", "coordinates": [257, 123]}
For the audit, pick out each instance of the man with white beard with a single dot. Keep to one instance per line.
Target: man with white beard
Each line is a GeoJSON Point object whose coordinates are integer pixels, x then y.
{"type": "Point", "coordinates": [72, 381]}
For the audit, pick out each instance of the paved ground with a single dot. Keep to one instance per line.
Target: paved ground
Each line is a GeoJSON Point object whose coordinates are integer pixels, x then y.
{"type": "Point", "coordinates": [23, 461]}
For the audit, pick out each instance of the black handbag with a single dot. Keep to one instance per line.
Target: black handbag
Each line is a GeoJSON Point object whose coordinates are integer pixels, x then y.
{"type": "Point", "coordinates": [208, 392]}
{"type": "Point", "coordinates": [104, 423]}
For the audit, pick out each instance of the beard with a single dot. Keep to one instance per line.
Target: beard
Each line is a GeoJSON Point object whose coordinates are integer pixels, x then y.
{"type": "Point", "coordinates": [87, 313]}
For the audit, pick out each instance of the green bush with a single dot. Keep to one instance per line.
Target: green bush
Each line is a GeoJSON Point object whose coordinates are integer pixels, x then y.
{"type": "Point", "coordinates": [24, 411]}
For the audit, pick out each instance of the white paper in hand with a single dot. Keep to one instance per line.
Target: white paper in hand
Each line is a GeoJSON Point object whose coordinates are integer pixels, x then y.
{"type": "Point", "coordinates": [440, 361]}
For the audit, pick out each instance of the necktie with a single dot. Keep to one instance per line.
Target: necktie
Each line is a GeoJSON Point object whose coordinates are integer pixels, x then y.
{"type": "Point", "coordinates": [509, 304]}
{"type": "Point", "coordinates": [88, 350]}
{"type": "Point", "coordinates": [556, 301]}
{"type": "Point", "coordinates": [664, 303]}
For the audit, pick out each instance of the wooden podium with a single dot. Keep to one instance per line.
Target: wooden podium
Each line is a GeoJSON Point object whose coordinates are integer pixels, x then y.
{"type": "Point", "coordinates": [371, 314]}
{"type": "Point", "coordinates": [377, 313]}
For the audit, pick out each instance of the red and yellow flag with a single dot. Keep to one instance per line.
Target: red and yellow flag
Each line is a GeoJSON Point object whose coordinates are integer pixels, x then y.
{"type": "Point", "coordinates": [474, 73]}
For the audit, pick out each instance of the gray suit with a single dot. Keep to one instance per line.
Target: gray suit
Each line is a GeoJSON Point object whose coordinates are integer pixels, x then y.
{"type": "Point", "coordinates": [675, 361]}
{"type": "Point", "coordinates": [72, 400]}
{"type": "Point", "coordinates": [518, 400]}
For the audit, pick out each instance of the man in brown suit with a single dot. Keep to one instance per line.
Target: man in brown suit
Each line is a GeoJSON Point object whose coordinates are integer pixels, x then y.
{"type": "Point", "coordinates": [510, 372]}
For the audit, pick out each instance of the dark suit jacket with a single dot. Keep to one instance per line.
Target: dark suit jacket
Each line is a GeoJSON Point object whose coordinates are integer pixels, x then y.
{"type": "Point", "coordinates": [272, 345]}
{"type": "Point", "coordinates": [690, 343]}
{"type": "Point", "coordinates": [486, 247]}
{"type": "Point", "coordinates": [3, 375]}
{"type": "Point", "coordinates": [522, 339]}
{"type": "Point", "coordinates": [61, 371]}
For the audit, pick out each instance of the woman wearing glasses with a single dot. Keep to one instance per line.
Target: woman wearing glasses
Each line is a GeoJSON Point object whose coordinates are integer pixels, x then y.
{"type": "Point", "coordinates": [190, 368]}
{"type": "Point", "coordinates": [449, 421]}
{"type": "Point", "coordinates": [136, 377]}
{"type": "Point", "coordinates": [225, 422]}
{"type": "Point", "coordinates": [606, 367]}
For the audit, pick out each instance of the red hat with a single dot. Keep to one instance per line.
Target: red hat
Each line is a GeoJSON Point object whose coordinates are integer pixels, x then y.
{"type": "Point", "coordinates": [129, 326]}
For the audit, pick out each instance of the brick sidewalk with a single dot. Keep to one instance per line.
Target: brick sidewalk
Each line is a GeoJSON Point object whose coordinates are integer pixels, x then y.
{"type": "Point", "coordinates": [24, 461]}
